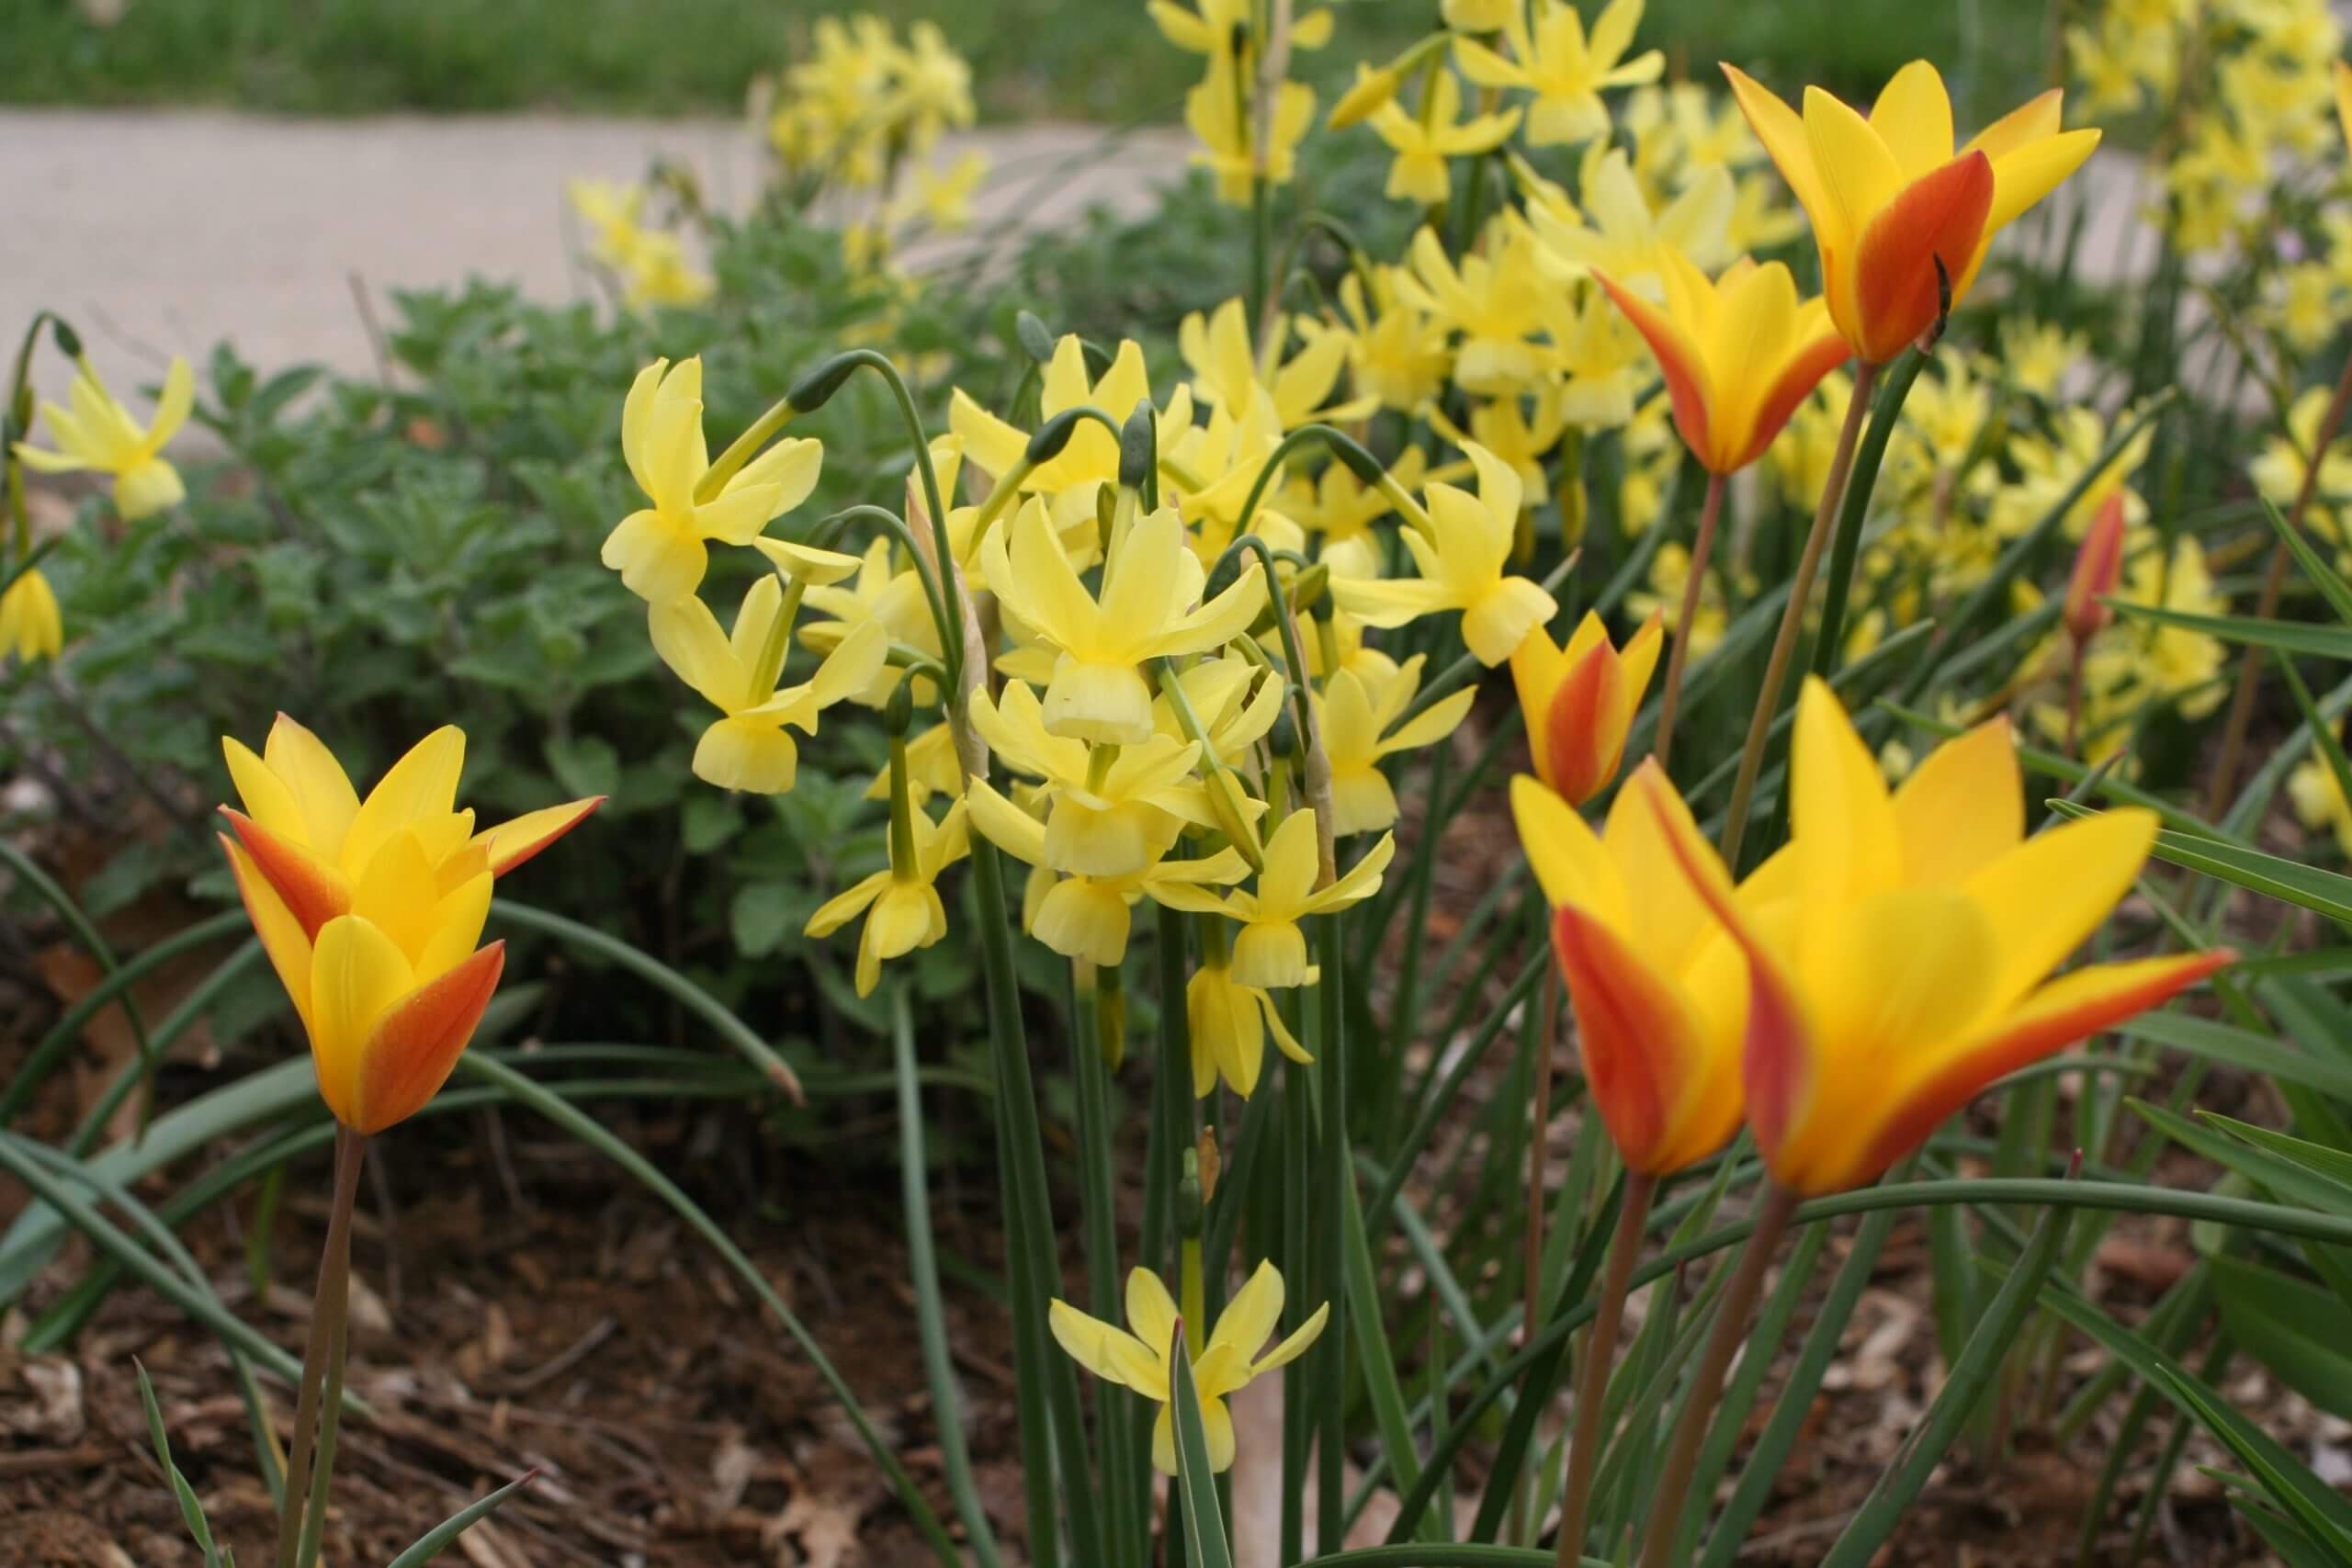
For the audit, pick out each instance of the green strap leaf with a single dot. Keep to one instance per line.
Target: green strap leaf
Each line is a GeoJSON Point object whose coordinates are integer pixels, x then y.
{"type": "Point", "coordinates": [191, 1511]}
{"type": "Point", "coordinates": [1204, 1540]}
{"type": "Point", "coordinates": [2324, 892]}
{"type": "Point", "coordinates": [437, 1540]}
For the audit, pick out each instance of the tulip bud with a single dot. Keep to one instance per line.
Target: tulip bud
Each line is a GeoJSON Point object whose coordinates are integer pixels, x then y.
{"type": "Point", "coordinates": [2098, 568]}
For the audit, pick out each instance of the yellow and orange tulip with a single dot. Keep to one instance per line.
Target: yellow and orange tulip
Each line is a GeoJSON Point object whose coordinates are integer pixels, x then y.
{"type": "Point", "coordinates": [1899, 947]}
{"type": "Point", "coordinates": [2098, 569]}
{"type": "Point", "coordinates": [1739, 353]}
{"type": "Point", "coordinates": [1579, 701]}
{"type": "Point", "coordinates": [1658, 988]}
{"type": "Point", "coordinates": [370, 909]}
{"type": "Point", "coordinates": [1890, 199]}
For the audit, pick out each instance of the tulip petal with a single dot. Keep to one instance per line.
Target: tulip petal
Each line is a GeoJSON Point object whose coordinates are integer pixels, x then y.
{"type": "Point", "coordinates": [2037, 118]}
{"type": "Point", "coordinates": [2067, 1009]}
{"type": "Point", "coordinates": [357, 974]}
{"type": "Point", "coordinates": [312, 890]}
{"type": "Point", "coordinates": [423, 783]}
{"type": "Point", "coordinates": [318, 781]}
{"type": "Point", "coordinates": [1859, 173]}
{"type": "Point", "coordinates": [1896, 292]}
{"type": "Point", "coordinates": [1962, 808]}
{"type": "Point", "coordinates": [413, 1047]}
{"type": "Point", "coordinates": [1680, 360]}
{"type": "Point", "coordinates": [1584, 726]}
{"type": "Point", "coordinates": [1782, 132]}
{"type": "Point", "coordinates": [1799, 376]}
{"type": "Point", "coordinates": [1566, 855]}
{"type": "Point", "coordinates": [281, 934]}
{"type": "Point", "coordinates": [1639, 1042]}
{"type": "Point", "coordinates": [1845, 845]}
{"type": "Point", "coordinates": [2049, 894]}
{"type": "Point", "coordinates": [516, 840]}
{"type": "Point", "coordinates": [2022, 177]}
{"type": "Point", "coordinates": [1913, 114]}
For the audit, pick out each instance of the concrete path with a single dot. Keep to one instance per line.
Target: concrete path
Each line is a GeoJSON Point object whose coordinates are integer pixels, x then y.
{"type": "Point", "coordinates": [160, 233]}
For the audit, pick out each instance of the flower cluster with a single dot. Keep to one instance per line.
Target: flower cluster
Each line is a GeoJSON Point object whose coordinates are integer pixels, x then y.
{"type": "Point", "coordinates": [863, 100]}
{"type": "Point", "coordinates": [648, 263]}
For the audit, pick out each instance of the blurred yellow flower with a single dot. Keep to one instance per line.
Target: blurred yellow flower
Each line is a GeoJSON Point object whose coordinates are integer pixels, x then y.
{"type": "Point", "coordinates": [97, 433]}
{"type": "Point", "coordinates": [1564, 70]}
{"type": "Point", "coordinates": [31, 625]}
{"type": "Point", "coordinates": [900, 902]}
{"type": "Point", "coordinates": [1425, 140]}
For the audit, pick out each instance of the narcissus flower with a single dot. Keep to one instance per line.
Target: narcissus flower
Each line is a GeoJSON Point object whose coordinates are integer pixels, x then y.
{"type": "Point", "coordinates": [1270, 950]}
{"type": "Point", "coordinates": [1225, 1365]}
{"type": "Point", "coordinates": [1149, 608]}
{"type": "Point", "coordinates": [369, 910]}
{"type": "Point", "coordinates": [660, 551]}
{"type": "Point", "coordinates": [901, 904]}
{"type": "Point", "coordinates": [1228, 149]}
{"type": "Point", "coordinates": [1113, 810]}
{"type": "Point", "coordinates": [1229, 1022]}
{"type": "Point", "coordinates": [1659, 990]}
{"type": "Point", "coordinates": [1070, 479]}
{"type": "Point", "coordinates": [1739, 353]}
{"type": "Point", "coordinates": [1890, 199]}
{"type": "Point", "coordinates": [749, 749]}
{"type": "Point", "coordinates": [1227, 372]}
{"type": "Point", "coordinates": [1565, 70]}
{"type": "Point", "coordinates": [97, 433]}
{"type": "Point", "coordinates": [1899, 948]}
{"type": "Point", "coordinates": [1354, 717]}
{"type": "Point", "coordinates": [31, 625]}
{"type": "Point", "coordinates": [1423, 140]}
{"type": "Point", "coordinates": [1461, 556]}
{"type": "Point", "coordinates": [1578, 701]}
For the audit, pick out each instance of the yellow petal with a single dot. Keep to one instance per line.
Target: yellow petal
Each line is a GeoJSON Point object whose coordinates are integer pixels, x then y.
{"type": "Point", "coordinates": [1568, 860]}
{"type": "Point", "coordinates": [321, 786]}
{"type": "Point", "coordinates": [1913, 116]}
{"type": "Point", "coordinates": [423, 783]}
{"type": "Point", "coordinates": [1858, 172]}
{"type": "Point", "coordinates": [357, 973]}
{"type": "Point", "coordinates": [1962, 808]}
{"type": "Point", "coordinates": [2051, 892]}
{"type": "Point", "coordinates": [1248, 1319]}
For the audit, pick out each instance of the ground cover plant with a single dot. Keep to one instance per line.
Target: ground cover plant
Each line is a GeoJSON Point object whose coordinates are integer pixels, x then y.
{"type": "Point", "coordinates": [1880, 649]}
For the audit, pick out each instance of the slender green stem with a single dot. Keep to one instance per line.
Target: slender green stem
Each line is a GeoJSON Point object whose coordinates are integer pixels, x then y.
{"type": "Point", "coordinates": [946, 1406]}
{"type": "Point", "coordinates": [1343, 446]}
{"type": "Point", "coordinates": [1774, 1210]}
{"type": "Point", "coordinates": [1776, 669]}
{"type": "Point", "coordinates": [1530, 1268]}
{"type": "Point", "coordinates": [328, 1305]}
{"type": "Point", "coordinates": [1843, 553]}
{"type": "Point", "coordinates": [1337, 1193]}
{"type": "Point", "coordinates": [1670, 698]}
{"type": "Point", "coordinates": [739, 451]}
{"type": "Point", "coordinates": [829, 529]}
{"type": "Point", "coordinates": [1600, 1352]}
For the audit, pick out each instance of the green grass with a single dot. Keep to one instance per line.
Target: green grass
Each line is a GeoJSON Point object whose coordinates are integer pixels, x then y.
{"type": "Point", "coordinates": [1096, 60]}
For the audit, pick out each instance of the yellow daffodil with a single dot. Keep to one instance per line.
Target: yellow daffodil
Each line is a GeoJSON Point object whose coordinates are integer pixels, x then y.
{"type": "Point", "coordinates": [1658, 990]}
{"type": "Point", "coordinates": [1226, 1364]}
{"type": "Point", "coordinates": [1503, 426]}
{"type": "Point", "coordinates": [1354, 719]}
{"type": "Point", "coordinates": [1210, 470]}
{"type": "Point", "coordinates": [1494, 301]}
{"type": "Point", "coordinates": [748, 748]}
{"type": "Point", "coordinates": [98, 434]}
{"type": "Point", "coordinates": [1228, 1023]}
{"type": "Point", "coordinates": [1424, 140]}
{"type": "Point", "coordinates": [31, 625]}
{"type": "Point", "coordinates": [944, 200]}
{"type": "Point", "coordinates": [370, 910]}
{"type": "Point", "coordinates": [1579, 701]}
{"type": "Point", "coordinates": [1270, 950]}
{"type": "Point", "coordinates": [1461, 557]}
{"type": "Point", "coordinates": [1227, 374]}
{"type": "Point", "coordinates": [1341, 507]}
{"type": "Point", "coordinates": [1739, 353]}
{"type": "Point", "coordinates": [1069, 479]}
{"type": "Point", "coordinates": [2036, 355]}
{"type": "Point", "coordinates": [1212, 111]}
{"type": "Point", "coordinates": [1209, 26]}
{"type": "Point", "coordinates": [1149, 608]}
{"type": "Point", "coordinates": [1898, 949]}
{"type": "Point", "coordinates": [1615, 230]}
{"type": "Point", "coordinates": [1113, 809]}
{"type": "Point", "coordinates": [1234, 707]}
{"type": "Point", "coordinates": [901, 904]}
{"type": "Point", "coordinates": [660, 551]}
{"type": "Point", "coordinates": [1890, 201]}
{"type": "Point", "coordinates": [1566, 70]}
{"type": "Point", "coordinates": [1085, 916]}
{"type": "Point", "coordinates": [1397, 352]}
{"type": "Point", "coordinates": [883, 591]}
{"type": "Point", "coordinates": [651, 264]}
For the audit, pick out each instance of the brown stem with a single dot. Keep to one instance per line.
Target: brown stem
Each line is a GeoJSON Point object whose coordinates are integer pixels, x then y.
{"type": "Point", "coordinates": [1669, 700]}
{"type": "Point", "coordinates": [2274, 583]}
{"type": "Point", "coordinates": [1599, 1350]}
{"type": "Point", "coordinates": [1776, 671]}
{"type": "Point", "coordinates": [328, 1305]}
{"type": "Point", "coordinates": [2074, 704]}
{"type": "Point", "coordinates": [1531, 1265]}
{"type": "Point", "coordinates": [1722, 1341]}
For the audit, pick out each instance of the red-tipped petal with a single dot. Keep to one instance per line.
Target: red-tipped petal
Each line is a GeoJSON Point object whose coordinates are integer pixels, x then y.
{"type": "Point", "coordinates": [315, 891]}
{"type": "Point", "coordinates": [1678, 358]}
{"type": "Point", "coordinates": [1634, 1034]}
{"type": "Point", "coordinates": [1938, 216]}
{"type": "Point", "coordinates": [1584, 728]}
{"type": "Point", "coordinates": [2069, 1008]}
{"type": "Point", "coordinates": [511, 844]}
{"type": "Point", "coordinates": [1797, 379]}
{"type": "Point", "coordinates": [2098, 568]}
{"type": "Point", "coordinates": [410, 1052]}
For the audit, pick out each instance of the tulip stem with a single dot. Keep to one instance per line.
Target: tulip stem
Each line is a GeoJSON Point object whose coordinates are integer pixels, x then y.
{"type": "Point", "coordinates": [322, 1360]}
{"type": "Point", "coordinates": [1776, 670]}
{"type": "Point", "coordinates": [1669, 700]}
{"type": "Point", "coordinates": [1667, 1505]}
{"type": "Point", "coordinates": [1531, 1263]}
{"type": "Point", "coordinates": [1599, 1351]}
{"type": "Point", "coordinates": [2274, 583]}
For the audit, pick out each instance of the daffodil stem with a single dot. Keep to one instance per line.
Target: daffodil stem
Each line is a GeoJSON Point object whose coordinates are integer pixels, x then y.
{"type": "Point", "coordinates": [1776, 669]}
{"type": "Point", "coordinates": [1703, 549]}
{"type": "Point", "coordinates": [1337, 1189]}
{"type": "Point", "coordinates": [1599, 1351]}
{"type": "Point", "coordinates": [1773, 1213]}
{"type": "Point", "coordinates": [322, 1360]}
{"type": "Point", "coordinates": [2274, 584]}
{"type": "Point", "coordinates": [740, 450]}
